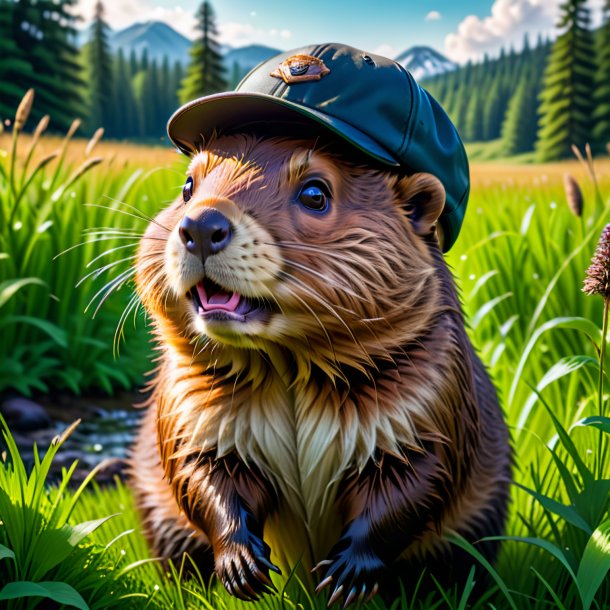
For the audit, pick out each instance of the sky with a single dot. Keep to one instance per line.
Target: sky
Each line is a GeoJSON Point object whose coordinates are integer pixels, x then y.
{"type": "Point", "coordinates": [462, 30]}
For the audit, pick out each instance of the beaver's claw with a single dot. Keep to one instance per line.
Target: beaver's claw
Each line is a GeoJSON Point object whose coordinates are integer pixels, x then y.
{"type": "Point", "coordinates": [243, 567]}
{"type": "Point", "coordinates": [353, 571]}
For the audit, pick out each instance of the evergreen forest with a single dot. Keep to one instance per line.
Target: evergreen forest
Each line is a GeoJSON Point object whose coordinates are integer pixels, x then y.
{"type": "Point", "coordinates": [543, 99]}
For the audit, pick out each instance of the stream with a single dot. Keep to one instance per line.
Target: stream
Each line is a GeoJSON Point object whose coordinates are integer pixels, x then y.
{"type": "Point", "coordinates": [107, 430]}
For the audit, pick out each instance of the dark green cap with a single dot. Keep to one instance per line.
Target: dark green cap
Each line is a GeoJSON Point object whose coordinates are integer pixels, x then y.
{"type": "Point", "coordinates": [368, 100]}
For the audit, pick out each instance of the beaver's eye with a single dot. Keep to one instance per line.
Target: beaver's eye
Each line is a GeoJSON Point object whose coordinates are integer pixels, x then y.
{"type": "Point", "coordinates": [187, 191]}
{"type": "Point", "coordinates": [314, 196]}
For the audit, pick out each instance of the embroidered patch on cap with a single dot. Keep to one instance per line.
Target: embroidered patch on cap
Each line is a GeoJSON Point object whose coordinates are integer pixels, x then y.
{"type": "Point", "coordinates": [300, 68]}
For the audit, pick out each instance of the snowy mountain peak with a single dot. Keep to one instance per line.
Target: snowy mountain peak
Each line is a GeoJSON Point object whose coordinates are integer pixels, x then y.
{"type": "Point", "coordinates": [424, 62]}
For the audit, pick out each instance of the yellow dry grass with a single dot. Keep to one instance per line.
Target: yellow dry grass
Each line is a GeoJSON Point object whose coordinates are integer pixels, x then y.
{"type": "Point", "coordinates": [535, 174]}
{"type": "Point", "coordinates": [483, 174]}
{"type": "Point", "coordinates": [120, 153]}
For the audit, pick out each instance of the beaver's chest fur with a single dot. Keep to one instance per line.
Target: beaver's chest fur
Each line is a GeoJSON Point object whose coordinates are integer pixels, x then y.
{"type": "Point", "coordinates": [327, 406]}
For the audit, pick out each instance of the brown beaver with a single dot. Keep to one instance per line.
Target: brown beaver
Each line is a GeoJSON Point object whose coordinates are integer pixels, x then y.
{"type": "Point", "coordinates": [317, 397]}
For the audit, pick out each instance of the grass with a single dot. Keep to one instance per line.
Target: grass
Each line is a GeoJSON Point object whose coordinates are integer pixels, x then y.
{"type": "Point", "coordinates": [74, 219]}
{"type": "Point", "coordinates": [520, 263]}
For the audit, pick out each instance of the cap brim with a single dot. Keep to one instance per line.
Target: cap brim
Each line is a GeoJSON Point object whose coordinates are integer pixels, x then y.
{"type": "Point", "coordinates": [222, 112]}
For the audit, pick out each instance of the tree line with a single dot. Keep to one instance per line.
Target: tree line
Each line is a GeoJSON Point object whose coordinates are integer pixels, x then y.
{"type": "Point", "coordinates": [543, 99]}
{"type": "Point", "coordinates": [130, 96]}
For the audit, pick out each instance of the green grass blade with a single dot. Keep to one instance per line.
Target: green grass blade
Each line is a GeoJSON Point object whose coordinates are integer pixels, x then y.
{"type": "Point", "coordinates": [574, 323]}
{"type": "Point", "coordinates": [594, 564]}
{"type": "Point", "coordinates": [596, 421]}
{"type": "Point", "coordinates": [458, 540]}
{"type": "Point", "coordinates": [59, 592]}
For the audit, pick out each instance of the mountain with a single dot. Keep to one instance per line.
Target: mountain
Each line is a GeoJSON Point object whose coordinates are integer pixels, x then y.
{"type": "Point", "coordinates": [238, 62]}
{"type": "Point", "coordinates": [250, 56]}
{"type": "Point", "coordinates": [424, 62]}
{"type": "Point", "coordinates": [159, 39]}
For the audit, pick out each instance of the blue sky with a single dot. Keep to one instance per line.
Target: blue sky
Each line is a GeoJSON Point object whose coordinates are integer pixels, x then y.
{"type": "Point", "coordinates": [461, 29]}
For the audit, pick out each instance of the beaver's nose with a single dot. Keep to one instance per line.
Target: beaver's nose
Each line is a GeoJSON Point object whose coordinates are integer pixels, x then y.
{"type": "Point", "coordinates": [206, 235]}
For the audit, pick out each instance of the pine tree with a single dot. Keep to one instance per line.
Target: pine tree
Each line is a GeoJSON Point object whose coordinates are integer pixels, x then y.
{"type": "Point", "coordinates": [567, 96]}
{"type": "Point", "coordinates": [473, 126]}
{"type": "Point", "coordinates": [235, 75]}
{"type": "Point", "coordinates": [519, 127]}
{"type": "Point", "coordinates": [493, 111]}
{"type": "Point", "coordinates": [46, 28]}
{"type": "Point", "coordinates": [154, 125]}
{"type": "Point", "coordinates": [133, 63]}
{"type": "Point", "coordinates": [99, 68]}
{"type": "Point", "coordinates": [16, 73]}
{"type": "Point", "coordinates": [177, 78]}
{"type": "Point", "coordinates": [166, 106]}
{"type": "Point", "coordinates": [124, 103]}
{"type": "Point", "coordinates": [139, 85]}
{"type": "Point", "coordinates": [205, 73]}
{"type": "Point", "coordinates": [601, 131]}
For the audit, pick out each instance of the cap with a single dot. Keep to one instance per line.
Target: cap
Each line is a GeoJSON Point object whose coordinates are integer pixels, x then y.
{"type": "Point", "coordinates": [368, 100]}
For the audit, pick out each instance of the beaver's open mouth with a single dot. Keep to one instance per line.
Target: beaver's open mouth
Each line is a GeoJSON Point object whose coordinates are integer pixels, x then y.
{"type": "Point", "coordinates": [213, 302]}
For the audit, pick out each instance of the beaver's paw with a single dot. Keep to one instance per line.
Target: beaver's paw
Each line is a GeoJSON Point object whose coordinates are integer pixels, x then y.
{"type": "Point", "coordinates": [353, 572]}
{"type": "Point", "coordinates": [243, 567]}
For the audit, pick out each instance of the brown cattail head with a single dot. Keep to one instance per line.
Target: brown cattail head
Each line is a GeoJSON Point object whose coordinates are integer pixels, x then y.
{"type": "Point", "coordinates": [42, 125]}
{"type": "Point", "coordinates": [23, 110]}
{"type": "Point", "coordinates": [97, 136]}
{"type": "Point", "coordinates": [608, 148]}
{"type": "Point", "coordinates": [573, 194]}
{"type": "Point", "coordinates": [597, 280]}
{"type": "Point", "coordinates": [73, 127]}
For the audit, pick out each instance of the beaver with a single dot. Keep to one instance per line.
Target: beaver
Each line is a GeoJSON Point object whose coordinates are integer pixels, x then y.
{"type": "Point", "coordinates": [317, 399]}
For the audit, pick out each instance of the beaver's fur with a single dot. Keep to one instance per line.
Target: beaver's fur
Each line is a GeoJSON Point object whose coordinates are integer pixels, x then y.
{"type": "Point", "coordinates": [353, 425]}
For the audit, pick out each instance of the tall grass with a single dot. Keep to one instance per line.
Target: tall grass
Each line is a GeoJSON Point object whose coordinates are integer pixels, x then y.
{"type": "Point", "coordinates": [520, 262]}
{"type": "Point", "coordinates": [70, 224]}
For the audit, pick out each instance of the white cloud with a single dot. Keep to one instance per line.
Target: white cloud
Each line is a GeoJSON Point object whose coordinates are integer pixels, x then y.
{"type": "Point", "coordinates": [433, 16]}
{"type": "Point", "coordinates": [507, 24]}
{"type": "Point", "coordinates": [122, 14]}
{"type": "Point", "coordinates": [238, 34]}
{"type": "Point", "coordinates": [386, 50]}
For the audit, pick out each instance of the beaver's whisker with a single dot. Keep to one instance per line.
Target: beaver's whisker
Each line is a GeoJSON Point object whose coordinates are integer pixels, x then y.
{"type": "Point", "coordinates": [315, 294]}
{"type": "Point", "coordinates": [106, 235]}
{"type": "Point", "coordinates": [206, 344]}
{"type": "Point", "coordinates": [234, 388]}
{"type": "Point", "coordinates": [330, 280]}
{"type": "Point", "coordinates": [118, 333]}
{"type": "Point", "coordinates": [105, 207]}
{"type": "Point", "coordinates": [110, 251]}
{"type": "Point", "coordinates": [333, 312]}
{"type": "Point", "coordinates": [315, 315]}
{"type": "Point", "coordinates": [138, 211]}
{"type": "Point", "coordinates": [111, 286]}
{"type": "Point", "coordinates": [97, 272]}
{"type": "Point", "coordinates": [113, 231]}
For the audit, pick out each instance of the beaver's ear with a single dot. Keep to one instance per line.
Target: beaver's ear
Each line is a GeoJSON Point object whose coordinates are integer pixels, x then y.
{"type": "Point", "coordinates": [423, 196]}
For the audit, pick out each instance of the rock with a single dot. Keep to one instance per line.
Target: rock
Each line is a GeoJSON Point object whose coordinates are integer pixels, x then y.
{"type": "Point", "coordinates": [24, 415]}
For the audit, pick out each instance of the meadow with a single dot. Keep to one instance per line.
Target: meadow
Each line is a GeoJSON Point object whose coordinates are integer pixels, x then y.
{"type": "Point", "coordinates": [71, 213]}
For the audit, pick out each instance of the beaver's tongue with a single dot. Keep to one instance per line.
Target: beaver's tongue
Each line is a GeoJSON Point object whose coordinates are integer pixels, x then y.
{"type": "Point", "coordinates": [213, 297]}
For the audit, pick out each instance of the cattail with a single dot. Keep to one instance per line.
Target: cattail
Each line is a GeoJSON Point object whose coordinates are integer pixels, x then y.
{"type": "Point", "coordinates": [597, 280]}
{"type": "Point", "coordinates": [608, 148]}
{"type": "Point", "coordinates": [83, 168]}
{"type": "Point", "coordinates": [23, 110]}
{"type": "Point", "coordinates": [97, 136]}
{"type": "Point", "coordinates": [573, 194]}
{"type": "Point", "coordinates": [75, 125]}
{"type": "Point", "coordinates": [42, 125]}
